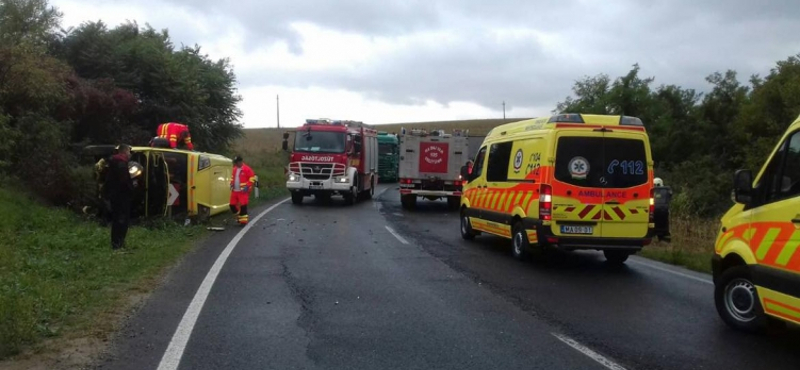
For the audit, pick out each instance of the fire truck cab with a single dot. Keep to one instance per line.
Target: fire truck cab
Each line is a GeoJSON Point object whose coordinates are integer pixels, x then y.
{"type": "Point", "coordinates": [332, 157]}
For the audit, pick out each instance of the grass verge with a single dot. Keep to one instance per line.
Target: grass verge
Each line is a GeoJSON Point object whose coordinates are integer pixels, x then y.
{"type": "Point", "coordinates": [692, 244]}
{"type": "Point", "coordinates": [59, 278]}
{"type": "Point", "coordinates": [58, 273]}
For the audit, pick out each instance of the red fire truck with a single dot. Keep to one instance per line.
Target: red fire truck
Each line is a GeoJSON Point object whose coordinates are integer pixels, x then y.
{"type": "Point", "coordinates": [332, 157]}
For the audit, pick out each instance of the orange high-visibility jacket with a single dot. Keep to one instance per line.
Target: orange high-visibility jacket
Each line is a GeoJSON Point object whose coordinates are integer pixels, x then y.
{"type": "Point", "coordinates": [175, 132]}
{"type": "Point", "coordinates": [246, 178]}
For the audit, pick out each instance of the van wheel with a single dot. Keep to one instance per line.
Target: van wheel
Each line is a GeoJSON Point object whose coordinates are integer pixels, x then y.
{"type": "Point", "coordinates": [297, 198]}
{"type": "Point", "coordinates": [519, 242]}
{"type": "Point", "coordinates": [737, 300]}
{"type": "Point", "coordinates": [616, 257]}
{"type": "Point", "coordinates": [466, 227]}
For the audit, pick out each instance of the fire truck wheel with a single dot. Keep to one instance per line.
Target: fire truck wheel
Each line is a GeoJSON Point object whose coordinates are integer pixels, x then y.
{"type": "Point", "coordinates": [350, 198]}
{"type": "Point", "coordinates": [297, 198]}
{"type": "Point", "coordinates": [409, 201]}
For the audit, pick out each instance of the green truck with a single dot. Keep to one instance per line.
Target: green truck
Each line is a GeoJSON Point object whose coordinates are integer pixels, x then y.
{"type": "Point", "coordinates": [388, 157]}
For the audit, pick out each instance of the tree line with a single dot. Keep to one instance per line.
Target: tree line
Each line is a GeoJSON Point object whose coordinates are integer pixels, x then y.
{"type": "Point", "coordinates": [700, 139]}
{"type": "Point", "coordinates": [63, 89]}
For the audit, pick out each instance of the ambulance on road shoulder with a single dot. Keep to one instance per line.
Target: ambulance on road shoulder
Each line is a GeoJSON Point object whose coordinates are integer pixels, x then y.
{"type": "Point", "coordinates": [570, 181]}
{"type": "Point", "coordinates": [756, 264]}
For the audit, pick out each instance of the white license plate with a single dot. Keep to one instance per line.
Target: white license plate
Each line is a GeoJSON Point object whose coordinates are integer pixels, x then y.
{"type": "Point", "coordinates": [315, 186]}
{"type": "Point", "coordinates": [585, 230]}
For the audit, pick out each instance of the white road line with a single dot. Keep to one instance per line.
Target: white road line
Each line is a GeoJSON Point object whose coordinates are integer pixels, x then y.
{"type": "Point", "coordinates": [382, 191]}
{"type": "Point", "coordinates": [588, 352]}
{"type": "Point", "coordinates": [174, 352]}
{"type": "Point", "coordinates": [678, 273]}
{"type": "Point", "coordinates": [396, 235]}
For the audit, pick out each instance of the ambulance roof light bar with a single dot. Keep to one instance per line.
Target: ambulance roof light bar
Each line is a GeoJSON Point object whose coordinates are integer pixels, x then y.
{"type": "Point", "coordinates": [566, 118]}
{"type": "Point", "coordinates": [630, 121]}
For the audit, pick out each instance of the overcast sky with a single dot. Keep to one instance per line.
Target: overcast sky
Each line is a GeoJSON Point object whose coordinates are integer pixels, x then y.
{"type": "Point", "coordinates": [384, 61]}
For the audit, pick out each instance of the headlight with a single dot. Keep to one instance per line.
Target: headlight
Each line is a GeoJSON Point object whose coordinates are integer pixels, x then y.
{"type": "Point", "coordinates": [342, 179]}
{"type": "Point", "coordinates": [135, 169]}
{"type": "Point", "coordinates": [293, 177]}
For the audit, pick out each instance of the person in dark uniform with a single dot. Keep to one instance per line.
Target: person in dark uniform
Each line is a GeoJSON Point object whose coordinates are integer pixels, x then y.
{"type": "Point", "coordinates": [663, 196]}
{"type": "Point", "coordinates": [119, 188]}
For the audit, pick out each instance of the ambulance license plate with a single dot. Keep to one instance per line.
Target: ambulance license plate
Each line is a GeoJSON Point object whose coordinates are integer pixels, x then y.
{"type": "Point", "coordinates": [569, 229]}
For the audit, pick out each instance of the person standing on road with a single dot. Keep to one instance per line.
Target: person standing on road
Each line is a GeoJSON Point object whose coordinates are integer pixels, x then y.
{"type": "Point", "coordinates": [119, 188]}
{"type": "Point", "coordinates": [242, 181]}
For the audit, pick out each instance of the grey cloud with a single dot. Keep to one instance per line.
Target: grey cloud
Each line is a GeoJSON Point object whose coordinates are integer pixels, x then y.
{"type": "Point", "coordinates": [678, 42]}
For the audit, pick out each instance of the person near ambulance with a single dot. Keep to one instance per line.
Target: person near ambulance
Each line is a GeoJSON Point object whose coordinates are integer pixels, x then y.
{"type": "Point", "coordinates": [177, 134]}
{"type": "Point", "coordinates": [242, 181]}
{"type": "Point", "coordinates": [662, 197]}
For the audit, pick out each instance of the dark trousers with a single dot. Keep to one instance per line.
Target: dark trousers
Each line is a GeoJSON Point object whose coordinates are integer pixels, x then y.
{"type": "Point", "coordinates": [121, 217]}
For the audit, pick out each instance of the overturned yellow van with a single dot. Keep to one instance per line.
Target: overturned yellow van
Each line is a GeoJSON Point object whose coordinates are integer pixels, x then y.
{"type": "Point", "coordinates": [570, 181]}
{"type": "Point", "coordinates": [176, 182]}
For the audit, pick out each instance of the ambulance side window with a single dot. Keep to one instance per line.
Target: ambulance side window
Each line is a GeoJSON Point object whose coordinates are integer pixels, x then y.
{"type": "Point", "coordinates": [782, 178]}
{"type": "Point", "coordinates": [477, 167]}
{"type": "Point", "coordinates": [497, 166]}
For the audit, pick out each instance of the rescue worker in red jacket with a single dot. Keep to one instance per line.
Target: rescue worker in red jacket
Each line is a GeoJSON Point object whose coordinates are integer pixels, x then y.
{"type": "Point", "coordinates": [176, 133]}
{"type": "Point", "coordinates": [242, 181]}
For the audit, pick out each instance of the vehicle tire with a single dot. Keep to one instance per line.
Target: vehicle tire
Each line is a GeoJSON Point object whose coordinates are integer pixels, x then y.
{"type": "Point", "coordinates": [519, 242]}
{"type": "Point", "coordinates": [737, 301]}
{"type": "Point", "coordinates": [297, 198]}
{"type": "Point", "coordinates": [616, 257]}
{"type": "Point", "coordinates": [453, 202]}
{"type": "Point", "coordinates": [371, 192]}
{"type": "Point", "coordinates": [409, 201]}
{"type": "Point", "coordinates": [466, 227]}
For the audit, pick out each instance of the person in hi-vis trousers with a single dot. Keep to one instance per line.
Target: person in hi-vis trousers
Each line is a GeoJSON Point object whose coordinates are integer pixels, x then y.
{"type": "Point", "coordinates": [242, 181]}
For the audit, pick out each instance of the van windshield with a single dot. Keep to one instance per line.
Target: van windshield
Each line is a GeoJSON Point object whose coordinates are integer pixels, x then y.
{"type": "Point", "coordinates": [597, 162]}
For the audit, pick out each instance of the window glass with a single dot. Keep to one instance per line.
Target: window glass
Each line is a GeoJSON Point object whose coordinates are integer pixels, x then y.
{"type": "Point", "coordinates": [497, 167]}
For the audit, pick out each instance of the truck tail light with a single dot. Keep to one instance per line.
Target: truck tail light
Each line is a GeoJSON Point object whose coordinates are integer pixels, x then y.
{"type": "Point", "coordinates": [405, 181]}
{"type": "Point", "coordinates": [652, 205]}
{"type": "Point", "coordinates": [545, 203]}
{"type": "Point", "coordinates": [457, 183]}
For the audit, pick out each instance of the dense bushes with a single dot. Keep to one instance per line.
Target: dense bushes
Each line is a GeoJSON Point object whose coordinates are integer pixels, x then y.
{"type": "Point", "coordinates": [62, 90]}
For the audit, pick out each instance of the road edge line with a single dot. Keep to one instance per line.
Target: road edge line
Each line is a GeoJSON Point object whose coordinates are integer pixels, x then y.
{"type": "Point", "coordinates": [677, 273]}
{"type": "Point", "coordinates": [602, 360]}
{"type": "Point", "coordinates": [396, 235]}
{"type": "Point", "coordinates": [174, 352]}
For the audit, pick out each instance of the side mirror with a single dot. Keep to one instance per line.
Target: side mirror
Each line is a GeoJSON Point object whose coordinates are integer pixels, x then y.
{"type": "Point", "coordinates": [285, 136]}
{"type": "Point", "coordinates": [285, 146]}
{"type": "Point", "coordinates": [743, 186]}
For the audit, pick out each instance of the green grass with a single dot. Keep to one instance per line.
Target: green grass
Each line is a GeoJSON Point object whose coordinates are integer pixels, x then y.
{"type": "Point", "coordinates": [692, 244]}
{"type": "Point", "coordinates": [59, 277]}
{"type": "Point", "coordinates": [58, 273]}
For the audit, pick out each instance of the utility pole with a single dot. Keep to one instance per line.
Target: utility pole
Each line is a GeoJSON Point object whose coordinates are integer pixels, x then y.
{"type": "Point", "coordinates": [504, 109]}
{"type": "Point", "coordinates": [278, 106]}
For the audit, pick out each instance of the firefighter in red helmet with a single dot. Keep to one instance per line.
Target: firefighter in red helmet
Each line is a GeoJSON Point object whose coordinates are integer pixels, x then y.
{"type": "Point", "coordinates": [176, 134]}
{"type": "Point", "coordinates": [242, 181]}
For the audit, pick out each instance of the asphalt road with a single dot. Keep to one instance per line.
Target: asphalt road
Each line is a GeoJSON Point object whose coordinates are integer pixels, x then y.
{"type": "Point", "coordinates": [327, 286]}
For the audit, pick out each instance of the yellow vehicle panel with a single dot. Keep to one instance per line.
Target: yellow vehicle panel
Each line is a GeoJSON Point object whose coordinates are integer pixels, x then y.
{"type": "Point", "coordinates": [760, 237]}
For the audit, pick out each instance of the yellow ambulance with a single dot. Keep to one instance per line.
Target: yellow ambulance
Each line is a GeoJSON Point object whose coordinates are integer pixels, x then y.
{"type": "Point", "coordinates": [570, 181]}
{"type": "Point", "coordinates": [756, 264]}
